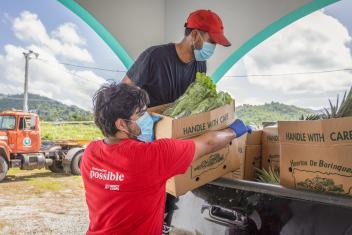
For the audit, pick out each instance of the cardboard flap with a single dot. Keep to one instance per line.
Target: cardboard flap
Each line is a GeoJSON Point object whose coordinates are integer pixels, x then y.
{"type": "Point", "coordinates": [192, 125]}
{"type": "Point", "coordinates": [270, 135]}
{"type": "Point", "coordinates": [254, 138]}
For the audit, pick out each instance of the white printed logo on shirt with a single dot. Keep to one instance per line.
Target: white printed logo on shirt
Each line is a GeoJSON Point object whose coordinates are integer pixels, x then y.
{"type": "Point", "coordinates": [102, 174]}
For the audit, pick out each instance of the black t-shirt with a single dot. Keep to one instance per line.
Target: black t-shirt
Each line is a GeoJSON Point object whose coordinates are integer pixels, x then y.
{"type": "Point", "coordinates": [160, 72]}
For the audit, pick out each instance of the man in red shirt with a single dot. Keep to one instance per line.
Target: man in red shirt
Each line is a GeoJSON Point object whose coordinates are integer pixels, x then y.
{"type": "Point", "coordinates": [124, 177]}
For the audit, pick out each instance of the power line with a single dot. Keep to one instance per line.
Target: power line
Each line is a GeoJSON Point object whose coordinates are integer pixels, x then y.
{"type": "Point", "coordinates": [290, 74]}
{"type": "Point", "coordinates": [248, 75]}
{"type": "Point", "coordinates": [68, 71]}
{"type": "Point", "coordinates": [96, 68]}
{"type": "Point", "coordinates": [86, 67]}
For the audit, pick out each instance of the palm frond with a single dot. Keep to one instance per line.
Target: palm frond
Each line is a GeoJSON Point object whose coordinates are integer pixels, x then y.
{"type": "Point", "coordinates": [272, 176]}
{"type": "Point", "coordinates": [340, 109]}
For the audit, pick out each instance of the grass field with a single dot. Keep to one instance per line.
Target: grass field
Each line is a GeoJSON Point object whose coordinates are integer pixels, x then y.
{"type": "Point", "coordinates": [70, 131]}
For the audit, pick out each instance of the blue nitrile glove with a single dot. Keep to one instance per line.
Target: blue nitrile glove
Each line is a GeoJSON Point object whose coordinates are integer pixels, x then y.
{"type": "Point", "coordinates": [155, 120]}
{"type": "Point", "coordinates": [240, 128]}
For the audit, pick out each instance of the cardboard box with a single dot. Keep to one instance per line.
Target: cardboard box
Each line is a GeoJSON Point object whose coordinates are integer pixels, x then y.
{"type": "Point", "coordinates": [270, 148]}
{"type": "Point", "coordinates": [317, 155]}
{"type": "Point", "coordinates": [203, 170]}
{"type": "Point", "coordinates": [193, 125]}
{"type": "Point", "coordinates": [248, 150]}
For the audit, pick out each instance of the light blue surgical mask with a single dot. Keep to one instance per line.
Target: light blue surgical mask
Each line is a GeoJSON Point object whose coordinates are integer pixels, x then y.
{"type": "Point", "coordinates": [205, 53]}
{"type": "Point", "coordinates": [146, 125]}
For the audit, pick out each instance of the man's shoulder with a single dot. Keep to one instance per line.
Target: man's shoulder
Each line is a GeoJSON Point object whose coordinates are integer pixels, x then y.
{"type": "Point", "coordinates": [159, 50]}
{"type": "Point", "coordinates": [93, 145]}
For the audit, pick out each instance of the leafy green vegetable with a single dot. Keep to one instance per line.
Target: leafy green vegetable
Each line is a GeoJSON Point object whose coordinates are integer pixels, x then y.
{"type": "Point", "coordinates": [200, 96]}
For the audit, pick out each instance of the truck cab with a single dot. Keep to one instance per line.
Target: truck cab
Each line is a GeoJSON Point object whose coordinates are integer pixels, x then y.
{"type": "Point", "coordinates": [20, 146]}
{"type": "Point", "coordinates": [20, 142]}
{"type": "Point", "coordinates": [20, 131]}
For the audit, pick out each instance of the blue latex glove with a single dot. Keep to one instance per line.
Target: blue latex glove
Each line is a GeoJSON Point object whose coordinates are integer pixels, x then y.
{"type": "Point", "coordinates": [155, 120]}
{"type": "Point", "coordinates": [240, 128]}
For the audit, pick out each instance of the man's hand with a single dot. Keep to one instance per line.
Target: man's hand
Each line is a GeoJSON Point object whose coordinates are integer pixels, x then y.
{"type": "Point", "coordinates": [240, 128]}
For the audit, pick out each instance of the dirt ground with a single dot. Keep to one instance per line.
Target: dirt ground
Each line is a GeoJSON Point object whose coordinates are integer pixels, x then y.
{"type": "Point", "coordinates": [42, 202]}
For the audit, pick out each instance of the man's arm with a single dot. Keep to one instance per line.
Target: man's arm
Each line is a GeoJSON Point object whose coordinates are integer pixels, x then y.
{"type": "Point", "coordinates": [139, 73]}
{"type": "Point", "coordinates": [175, 156]}
{"type": "Point", "coordinates": [216, 140]}
{"type": "Point", "coordinates": [127, 80]}
{"type": "Point", "coordinates": [212, 141]}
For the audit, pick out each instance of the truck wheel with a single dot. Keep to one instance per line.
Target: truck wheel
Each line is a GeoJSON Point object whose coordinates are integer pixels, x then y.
{"type": "Point", "coordinates": [56, 167]}
{"type": "Point", "coordinates": [75, 163]}
{"type": "Point", "coordinates": [4, 167]}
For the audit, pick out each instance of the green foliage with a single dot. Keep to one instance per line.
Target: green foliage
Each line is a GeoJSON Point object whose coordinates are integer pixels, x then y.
{"type": "Point", "coordinates": [47, 109]}
{"type": "Point", "coordinates": [272, 176]}
{"type": "Point", "coordinates": [343, 109]}
{"type": "Point", "coordinates": [338, 110]}
{"type": "Point", "coordinates": [311, 117]}
{"type": "Point", "coordinates": [200, 96]}
{"type": "Point", "coordinates": [272, 112]}
{"type": "Point", "coordinates": [89, 131]}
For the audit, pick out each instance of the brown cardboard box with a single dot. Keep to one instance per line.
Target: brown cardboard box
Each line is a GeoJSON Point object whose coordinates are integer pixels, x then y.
{"type": "Point", "coordinates": [206, 168]}
{"type": "Point", "coordinates": [317, 155]}
{"type": "Point", "coordinates": [203, 170]}
{"type": "Point", "coordinates": [248, 150]}
{"type": "Point", "coordinates": [270, 148]}
{"type": "Point", "coordinates": [193, 125]}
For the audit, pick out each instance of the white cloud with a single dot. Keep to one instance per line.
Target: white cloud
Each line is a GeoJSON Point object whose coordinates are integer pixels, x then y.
{"type": "Point", "coordinates": [29, 28]}
{"type": "Point", "coordinates": [68, 33]}
{"type": "Point", "coordinates": [315, 43]}
{"type": "Point", "coordinates": [47, 76]}
{"type": "Point", "coordinates": [301, 47]}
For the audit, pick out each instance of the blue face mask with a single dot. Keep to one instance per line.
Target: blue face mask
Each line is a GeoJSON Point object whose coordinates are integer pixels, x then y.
{"type": "Point", "coordinates": [205, 53]}
{"type": "Point", "coordinates": [146, 124]}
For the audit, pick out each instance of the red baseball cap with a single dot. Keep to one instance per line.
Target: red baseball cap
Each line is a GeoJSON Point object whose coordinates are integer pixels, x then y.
{"type": "Point", "coordinates": [210, 22]}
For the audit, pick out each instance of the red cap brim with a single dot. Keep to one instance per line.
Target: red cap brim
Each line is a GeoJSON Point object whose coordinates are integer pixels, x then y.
{"type": "Point", "coordinates": [220, 38]}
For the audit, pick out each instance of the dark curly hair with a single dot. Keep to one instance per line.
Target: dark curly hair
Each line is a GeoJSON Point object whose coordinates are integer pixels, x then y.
{"type": "Point", "coordinates": [117, 100]}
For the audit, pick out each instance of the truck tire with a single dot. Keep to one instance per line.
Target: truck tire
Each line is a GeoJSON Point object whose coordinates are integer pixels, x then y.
{"type": "Point", "coordinates": [75, 163]}
{"type": "Point", "coordinates": [4, 167]}
{"type": "Point", "coordinates": [56, 167]}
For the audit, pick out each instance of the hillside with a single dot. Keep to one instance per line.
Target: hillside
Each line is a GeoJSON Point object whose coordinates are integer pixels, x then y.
{"type": "Point", "coordinates": [52, 110]}
{"type": "Point", "coordinates": [48, 109]}
{"type": "Point", "coordinates": [256, 114]}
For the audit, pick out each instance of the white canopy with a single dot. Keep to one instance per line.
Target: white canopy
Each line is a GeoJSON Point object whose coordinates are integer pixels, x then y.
{"type": "Point", "coordinates": [131, 26]}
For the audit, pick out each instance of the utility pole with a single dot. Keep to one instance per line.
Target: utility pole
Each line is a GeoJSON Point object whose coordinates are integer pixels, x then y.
{"type": "Point", "coordinates": [27, 57]}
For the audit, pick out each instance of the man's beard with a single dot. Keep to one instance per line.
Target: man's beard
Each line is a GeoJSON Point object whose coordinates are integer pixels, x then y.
{"type": "Point", "coordinates": [130, 133]}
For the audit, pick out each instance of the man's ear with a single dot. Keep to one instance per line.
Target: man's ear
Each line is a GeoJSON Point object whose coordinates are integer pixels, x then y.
{"type": "Point", "coordinates": [120, 125]}
{"type": "Point", "coordinates": [194, 35]}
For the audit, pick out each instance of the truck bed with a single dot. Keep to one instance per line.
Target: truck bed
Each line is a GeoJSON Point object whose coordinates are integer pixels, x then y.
{"type": "Point", "coordinates": [280, 191]}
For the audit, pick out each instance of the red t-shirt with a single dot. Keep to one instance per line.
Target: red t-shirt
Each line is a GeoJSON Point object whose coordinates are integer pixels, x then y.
{"type": "Point", "coordinates": [125, 183]}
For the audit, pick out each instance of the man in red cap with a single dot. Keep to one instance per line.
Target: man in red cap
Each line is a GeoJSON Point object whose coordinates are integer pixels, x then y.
{"type": "Point", "coordinates": [165, 71]}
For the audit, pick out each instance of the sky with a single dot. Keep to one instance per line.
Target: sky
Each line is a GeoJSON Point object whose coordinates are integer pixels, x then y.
{"type": "Point", "coordinates": [318, 42]}
{"type": "Point", "coordinates": [59, 36]}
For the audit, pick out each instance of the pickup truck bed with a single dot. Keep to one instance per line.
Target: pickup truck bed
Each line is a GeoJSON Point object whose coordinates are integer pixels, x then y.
{"type": "Point", "coordinates": [244, 207]}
